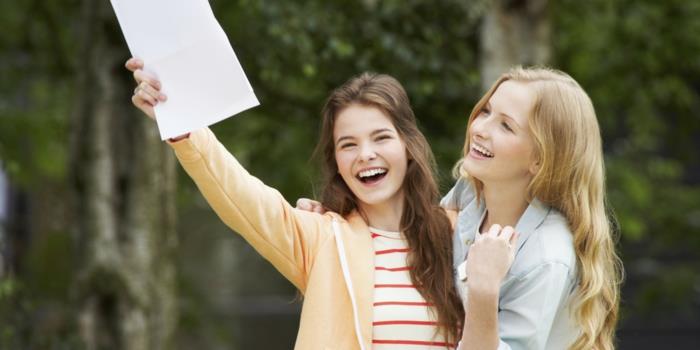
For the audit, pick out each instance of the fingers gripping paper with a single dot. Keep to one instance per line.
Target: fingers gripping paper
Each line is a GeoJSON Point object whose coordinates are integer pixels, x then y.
{"type": "Point", "coordinates": [182, 44]}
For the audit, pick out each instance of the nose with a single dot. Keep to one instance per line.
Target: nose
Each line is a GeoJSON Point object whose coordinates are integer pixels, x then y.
{"type": "Point", "coordinates": [367, 152]}
{"type": "Point", "coordinates": [479, 129]}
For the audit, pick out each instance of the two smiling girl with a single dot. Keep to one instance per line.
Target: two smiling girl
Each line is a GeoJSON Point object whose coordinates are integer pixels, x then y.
{"type": "Point", "coordinates": [377, 270]}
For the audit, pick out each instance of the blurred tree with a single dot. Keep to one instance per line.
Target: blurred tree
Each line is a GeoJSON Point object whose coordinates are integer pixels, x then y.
{"type": "Point", "coordinates": [35, 97]}
{"type": "Point", "coordinates": [513, 32]}
{"type": "Point", "coordinates": [123, 181]}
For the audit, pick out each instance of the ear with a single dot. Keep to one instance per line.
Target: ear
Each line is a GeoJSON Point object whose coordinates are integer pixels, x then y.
{"type": "Point", "coordinates": [534, 167]}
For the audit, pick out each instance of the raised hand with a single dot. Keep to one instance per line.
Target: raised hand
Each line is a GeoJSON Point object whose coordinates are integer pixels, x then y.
{"type": "Point", "coordinates": [147, 92]}
{"type": "Point", "coordinates": [490, 257]}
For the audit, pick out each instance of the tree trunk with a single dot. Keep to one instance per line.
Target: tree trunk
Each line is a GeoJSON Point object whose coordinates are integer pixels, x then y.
{"type": "Point", "coordinates": [123, 180]}
{"type": "Point", "coordinates": [513, 32]}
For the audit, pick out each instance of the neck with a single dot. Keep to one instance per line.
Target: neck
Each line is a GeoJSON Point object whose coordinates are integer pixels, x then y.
{"type": "Point", "coordinates": [384, 216]}
{"type": "Point", "coordinates": [505, 203]}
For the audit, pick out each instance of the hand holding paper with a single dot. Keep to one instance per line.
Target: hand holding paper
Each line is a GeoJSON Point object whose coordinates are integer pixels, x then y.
{"type": "Point", "coordinates": [183, 46]}
{"type": "Point", "coordinates": [147, 93]}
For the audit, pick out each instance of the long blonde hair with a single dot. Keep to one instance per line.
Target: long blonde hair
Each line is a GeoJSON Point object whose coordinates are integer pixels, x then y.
{"type": "Point", "coordinates": [571, 179]}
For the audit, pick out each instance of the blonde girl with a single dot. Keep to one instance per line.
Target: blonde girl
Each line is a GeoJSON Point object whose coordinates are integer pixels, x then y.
{"type": "Point", "coordinates": [533, 160]}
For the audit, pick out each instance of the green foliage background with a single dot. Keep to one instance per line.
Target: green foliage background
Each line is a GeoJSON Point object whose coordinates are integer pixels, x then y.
{"type": "Point", "coordinates": [638, 60]}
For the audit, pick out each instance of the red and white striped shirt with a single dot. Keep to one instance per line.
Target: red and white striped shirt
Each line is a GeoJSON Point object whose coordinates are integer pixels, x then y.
{"type": "Point", "coordinates": [402, 318]}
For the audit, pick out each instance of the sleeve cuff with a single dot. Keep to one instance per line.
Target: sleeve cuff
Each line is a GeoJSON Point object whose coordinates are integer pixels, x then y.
{"type": "Point", "coordinates": [191, 148]}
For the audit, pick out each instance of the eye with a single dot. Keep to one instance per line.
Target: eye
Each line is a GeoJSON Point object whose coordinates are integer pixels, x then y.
{"type": "Point", "coordinates": [506, 126]}
{"type": "Point", "coordinates": [383, 137]}
{"type": "Point", "coordinates": [346, 145]}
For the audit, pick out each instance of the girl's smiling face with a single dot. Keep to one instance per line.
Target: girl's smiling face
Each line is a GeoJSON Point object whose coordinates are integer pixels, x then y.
{"type": "Point", "coordinates": [370, 155]}
{"type": "Point", "coordinates": [501, 147]}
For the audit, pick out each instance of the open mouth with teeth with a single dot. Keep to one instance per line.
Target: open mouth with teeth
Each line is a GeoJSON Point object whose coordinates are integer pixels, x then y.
{"type": "Point", "coordinates": [482, 151]}
{"type": "Point", "coordinates": [371, 176]}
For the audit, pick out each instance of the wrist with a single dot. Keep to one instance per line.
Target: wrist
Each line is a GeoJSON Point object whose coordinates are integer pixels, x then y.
{"type": "Point", "coordinates": [483, 288]}
{"type": "Point", "coordinates": [179, 138]}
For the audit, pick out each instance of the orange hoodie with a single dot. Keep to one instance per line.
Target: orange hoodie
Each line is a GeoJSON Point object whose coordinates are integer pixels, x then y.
{"type": "Point", "coordinates": [305, 247]}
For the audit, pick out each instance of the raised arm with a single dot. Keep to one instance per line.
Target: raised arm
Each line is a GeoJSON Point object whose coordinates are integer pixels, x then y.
{"type": "Point", "coordinates": [489, 259]}
{"type": "Point", "coordinates": [287, 237]}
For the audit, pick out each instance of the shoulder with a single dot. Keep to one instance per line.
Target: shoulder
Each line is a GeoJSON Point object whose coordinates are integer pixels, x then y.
{"type": "Point", "coordinates": [461, 194]}
{"type": "Point", "coordinates": [551, 243]}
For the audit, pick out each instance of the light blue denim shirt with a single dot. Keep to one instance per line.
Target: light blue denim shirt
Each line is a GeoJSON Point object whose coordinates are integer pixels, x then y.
{"type": "Point", "coordinates": [533, 305]}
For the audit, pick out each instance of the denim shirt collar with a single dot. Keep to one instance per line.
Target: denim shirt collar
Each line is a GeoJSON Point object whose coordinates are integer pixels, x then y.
{"type": "Point", "coordinates": [531, 219]}
{"type": "Point", "coordinates": [470, 218]}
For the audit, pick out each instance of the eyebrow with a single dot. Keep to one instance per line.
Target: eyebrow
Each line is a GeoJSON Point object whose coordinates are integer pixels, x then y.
{"type": "Point", "coordinates": [375, 132]}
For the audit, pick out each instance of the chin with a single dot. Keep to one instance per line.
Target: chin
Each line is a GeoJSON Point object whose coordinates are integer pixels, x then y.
{"type": "Point", "coordinates": [475, 173]}
{"type": "Point", "coordinates": [469, 168]}
{"type": "Point", "coordinates": [372, 200]}
{"type": "Point", "coordinates": [375, 199]}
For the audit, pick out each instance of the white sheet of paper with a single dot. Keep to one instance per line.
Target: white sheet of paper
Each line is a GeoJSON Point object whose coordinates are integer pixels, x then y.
{"type": "Point", "coordinates": [182, 44]}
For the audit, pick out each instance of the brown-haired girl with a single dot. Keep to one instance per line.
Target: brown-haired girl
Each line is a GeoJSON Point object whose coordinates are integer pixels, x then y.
{"type": "Point", "coordinates": [376, 271]}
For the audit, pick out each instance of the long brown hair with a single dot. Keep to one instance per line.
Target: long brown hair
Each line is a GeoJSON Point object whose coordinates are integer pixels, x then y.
{"type": "Point", "coordinates": [571, 179]}
{"type": "Point", "coordinates": [423, 222]}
